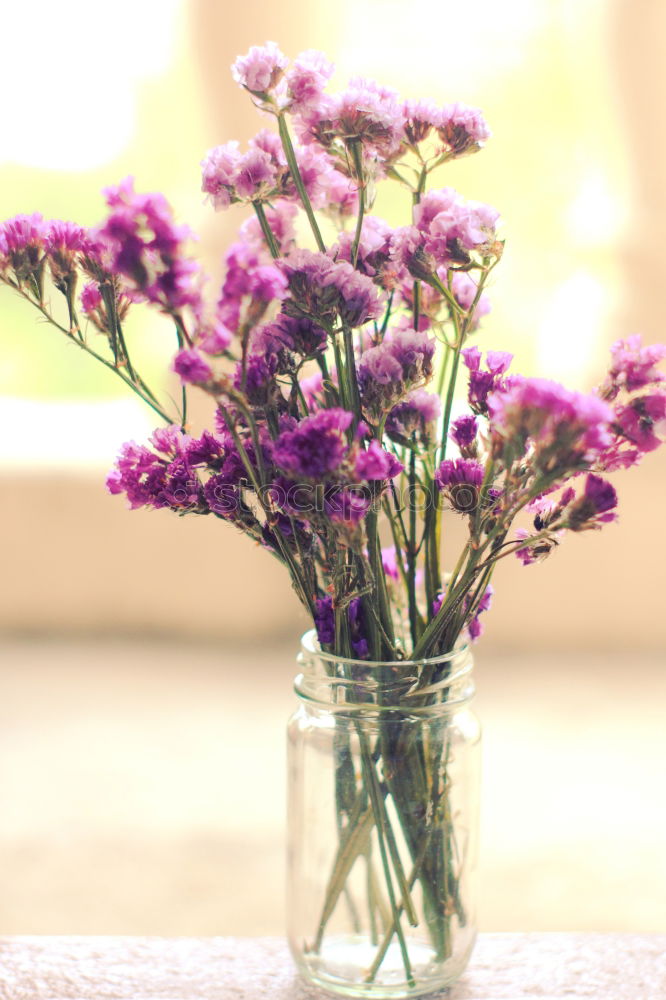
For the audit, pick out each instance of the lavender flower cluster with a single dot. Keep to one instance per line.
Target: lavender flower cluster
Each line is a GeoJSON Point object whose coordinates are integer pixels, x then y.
{"type": "Point", "coordinates": [332, 369]}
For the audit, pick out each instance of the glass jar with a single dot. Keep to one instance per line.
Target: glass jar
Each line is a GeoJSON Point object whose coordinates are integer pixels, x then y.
{"type": "Point", "coordinates": [383, 818]}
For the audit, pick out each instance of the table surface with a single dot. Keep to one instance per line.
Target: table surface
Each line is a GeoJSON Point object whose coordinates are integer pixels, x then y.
{"type": "Point", "coordinates": [504, 967]}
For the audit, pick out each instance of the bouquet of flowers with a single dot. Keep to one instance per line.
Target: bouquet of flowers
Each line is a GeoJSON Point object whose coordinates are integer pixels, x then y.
{"type": "Point", "coordinates": [333, 367]}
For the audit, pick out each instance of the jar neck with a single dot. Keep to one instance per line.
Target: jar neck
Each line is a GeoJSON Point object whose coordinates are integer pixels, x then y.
{"type": "Point", "coordinates": [335, 682]}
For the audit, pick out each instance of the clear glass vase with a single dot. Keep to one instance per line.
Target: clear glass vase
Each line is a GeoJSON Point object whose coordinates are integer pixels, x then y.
{"type": "Point", "coordinates": [383, 817]}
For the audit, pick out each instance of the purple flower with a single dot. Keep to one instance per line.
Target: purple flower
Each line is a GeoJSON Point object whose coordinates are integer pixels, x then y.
{"type": "Point", "coordinates": [256, 381]}
{"type": "Point", "coordinates": [419, 120]}
{"type": "Point", "coordinates": [531, 554]}
{"type": "Point", "coordinates": [169, 440]}
{"type": "Point", "coordinates": [268, 283]}
{"type": "Point", "coordinates": [463, 431]}
{"type": "Point", "coordinates": [460, 480]}
{"type": "Point", "coordinates": [181, 488]}
{"type": "Point", "coordinates": [389, 370]}
{"type": "Point", "coordinates": [633, 366]}
{"type": "Point", "coordinates": [222, 497]}
{"type": "Point", "coordinates": [248, 282]}
{"type": "Point", "coordinates": [324, 620]}
{"type": "Point", "coordinates": [316, 168]}
{"type": "Point", "coordinates": [22, 232]}
{"type": "Point", "coordinates": [312, 387]}
{"type": "Point", "coordinates": [375, 463]}
{"type": "Point", "coordinates": [595, 507]}
{"type": "Point", "coordinates": [462, 129]}
{"type": "Point", "coordinates": [474, 626]}
{"type": "Point", "coordinates": [192, 367]}
{"type": "Point", "coordinates": [255, 175]}
{"type": "Point", "coordinates": [91, 297]}
{"type": "Point", "coordinates": [451, 227]}
{"type": "Point", "coordinates": [146, 247]}
{"type": "Point", "coordinates": [157, 480]}
{"type": "Point", "coordinates": [307, 79]}
{"type": "Point", "coordinates": [482, 383]}
{"type": "Point", "coordinates": [363, 113]}
{"type": "Point", "coordinates": [323, 288]}
{"type": "Point", "coordinates": [215, 339]}
{"type": "Point", "coordinates": [357, 629]}
{"type": "Point", "coordinates": [208, 450]}
{"type": "Point", "coordinates": [22, 244]}
{"type": "Point", "coordinates": [643, 421]}
{"type": "Point", "coordinates": [140, 475]}
{"type": "Point", "coordinates": [65, 236]}
{"type": "Point", "coordinates": [373, 249]}
{"type": "Point", "coordinates": [316, 446]}
{"type": "Point", "coordinates": [600, 493]}
{"type": "Point", "coordinates": [415, 416]}
{"type": "Point", "coordinates": [261, 69]}
{"type": "Point", "coordinates": [300, 334]}
{"type": "Point", "coordinates": [346, 505]}
{"type": "Point", "coordinates": [218, 177]}
{"type": "Point", "coordinates": [390, 562]}
{"type": "Point", "coordinates": [565, 428]}
{"type": "Point", "coordinates": [270, 143]}
{"type": "Point", "coordinates": [339, 194]}
{"type": "Point", "coordinates": [408, 251]}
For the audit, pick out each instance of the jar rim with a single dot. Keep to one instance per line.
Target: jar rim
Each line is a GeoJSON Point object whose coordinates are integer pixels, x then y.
{"type": "Point", "coordinates": [310, 644]}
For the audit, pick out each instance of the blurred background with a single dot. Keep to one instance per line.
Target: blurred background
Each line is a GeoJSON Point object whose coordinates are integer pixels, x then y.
{"type": "Point", "coordinates": [146, 659]}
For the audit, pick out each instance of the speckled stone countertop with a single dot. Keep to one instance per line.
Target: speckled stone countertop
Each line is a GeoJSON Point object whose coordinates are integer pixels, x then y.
{"type": "Point", "coordinates": [504, 967]}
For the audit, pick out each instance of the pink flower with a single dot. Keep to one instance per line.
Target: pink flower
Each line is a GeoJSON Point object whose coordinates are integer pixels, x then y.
{"type": "Point", "coordinates": [643, 421]}
{"type": "Point", "coordinates": [565, 428]}
{"type": "Point", "coordinates": [462, 129]}
{"type": "Point", "coordinates": [146, 247]}
{"type": "Point", "coordinates": [90, 297]}
{"type": "Point", "coordinates": [460, 480]}
{"type": "Point", "coordinates": [390, 562]}
{"type": "Point", "coordinates": [307, 79]}
{"type": "Point", "coordinates": [346, 506]}
{"type": "Point", "coordinates": [375, 463]}
{"type": "Point", "coordinates": [219, 168]}
{"type": "Point", "coordinates": [21, 232]}
{"type": "Point", "coordinates": [420, 118]}
{"type": "Point", "coordinates": [256, 175]}
{"type": "Point", "coordinates": [595, 507]}
{"type": "Point", "coordinates": [268, 283]}
{"type": "Point", "coordinates": [261, 69]}
{"type": "Point", "coordinates": [216, 339]}
{"type": "Point", "coordinates": [192, 367]}
{"type": "Point", "coordinates": [633, 366]}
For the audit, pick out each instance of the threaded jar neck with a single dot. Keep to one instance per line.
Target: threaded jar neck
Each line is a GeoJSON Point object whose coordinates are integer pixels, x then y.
{"type": "Point", "coordinates": [442, 682]}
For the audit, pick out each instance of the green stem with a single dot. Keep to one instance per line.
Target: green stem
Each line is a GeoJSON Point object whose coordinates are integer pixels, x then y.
{"type": "Point", "coordinates": [354, 841]}
{"type": "Point", "coordinates": [388, 937]}
{"type": "Point", "coordinates": [183, 388]}
{"type": "Point", "coordinates": [411, 550]}
{"type": "Point", "coordinates": [357, 157]}
{"type": "Point", "coordinates": [380, 591]}
{"type": "Point", "coordinates": [448, 406]}
{"type": "Point", "coordinates": [378, 807]}
{"type": "Point", "coordinates": [350, 372]}
{"type": "Point", "coordinates": [266, 229]}
{"type": "Point", "coordinates": [290, 156]}
{"type": "Point", "coordinates": [137, 387]}
{"type": "Point", "coordinates": [301, 589]}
